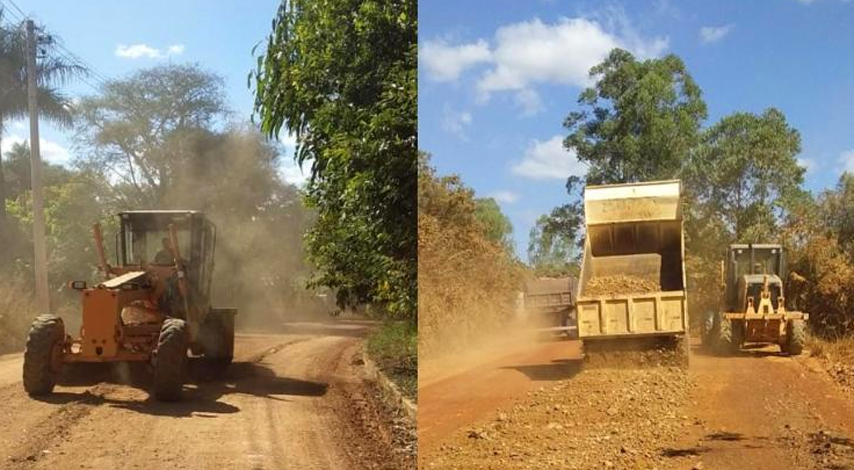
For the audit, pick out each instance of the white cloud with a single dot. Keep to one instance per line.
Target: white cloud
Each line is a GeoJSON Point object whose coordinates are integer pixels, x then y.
{"type": "Point", "coordinates": [291, 172]}
{"type": "Point", "coordinates": [445, 63]}
{"type": "Point", "coordinates": [50, 151]}
{"type": "Point", "coordinates": [137, 51]}
{"type": "Point", "coordinates": [710, 34]}
{"type": "Point", "coordinates": [456, 122]}
{"type": "Point", "coordinates": [508, 197]}
{"type": "Point", "coordinates": [548, 160]}
{"type": "Point", "coordinates": [530, 102]}
{"type": "Point", "coordinates": [533, 52]}
{"type": "Point", "coordinates": [846, 158]}
{"type": "Point", "coordinates": [808, 164]}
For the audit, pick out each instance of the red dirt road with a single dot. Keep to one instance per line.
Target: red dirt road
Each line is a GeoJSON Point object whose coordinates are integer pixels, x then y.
{"type": "Point", "coordinates": [295, 400]}
{"type": "Point", "coordinates": [758, 410]}
{"type": "Point", "coordinates": [454, 402]}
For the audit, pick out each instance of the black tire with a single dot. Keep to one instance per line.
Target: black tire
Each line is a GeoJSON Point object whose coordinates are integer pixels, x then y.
{"type": "Point", "coordinates": [219, 341]}
{"type": "Point", "coordinates": [707, 329]}
{"type": "Point", "coordinates": [47, 333]}
{"type": "Point", "coordinates": [170, 360]}
{"type": "Point", "coordinates": [795, 337]}
{"type": "Point", "coordinates": [724, 340]}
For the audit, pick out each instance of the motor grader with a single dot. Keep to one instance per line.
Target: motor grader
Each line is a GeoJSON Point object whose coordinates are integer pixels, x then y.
{"type": "Point", "coordinates": [754, 307]}
{"type": "Point", "coordinates": [152, 306]}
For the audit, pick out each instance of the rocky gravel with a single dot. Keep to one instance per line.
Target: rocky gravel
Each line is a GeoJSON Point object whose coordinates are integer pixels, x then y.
{"type": "Point", "coordinates": [603, 418]}
{"type": "Point", "coordinates": [619, 284]}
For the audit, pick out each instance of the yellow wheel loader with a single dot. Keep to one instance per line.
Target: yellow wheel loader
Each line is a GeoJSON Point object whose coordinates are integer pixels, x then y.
{"type": "Point", "coordinates": [754, 307]}
{"type": "Point", "coordinates": [153, 306]}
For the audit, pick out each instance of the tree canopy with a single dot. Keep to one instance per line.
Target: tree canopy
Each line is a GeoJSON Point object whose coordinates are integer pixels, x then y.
{"type": "Point", "coordinates": [638, 121]}
{"type": "Point", "coordinates": [342, 77]}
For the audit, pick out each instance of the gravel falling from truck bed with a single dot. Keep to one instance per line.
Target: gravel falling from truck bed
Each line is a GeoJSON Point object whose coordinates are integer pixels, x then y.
{"type": "Point", "coordinates": [600, 419]}
{"type": "Point", "coordinates": [619, 284]}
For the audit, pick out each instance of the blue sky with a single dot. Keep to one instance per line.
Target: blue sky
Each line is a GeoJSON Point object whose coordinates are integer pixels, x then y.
{"type": "Point", "coordinates": [497, 78]}
{"type": "Point", "coordinates": [120, 37]}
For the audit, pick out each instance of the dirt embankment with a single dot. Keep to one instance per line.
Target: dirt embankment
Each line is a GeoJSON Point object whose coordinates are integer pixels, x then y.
{"type": "Point", "coordinates": [291, 400]}
{"type": "Point", "coordinates": [758, 410]}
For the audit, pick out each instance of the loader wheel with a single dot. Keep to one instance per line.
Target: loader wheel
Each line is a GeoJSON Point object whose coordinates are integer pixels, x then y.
{"type": "Point", "coordinates": [220, 338]}
{"type": "Point", "coordinates": [724, 340]}
{"type": "Point", "coordinates": [43, 356]}
{"type": "Point", "coordinates": [170, 360]}
{"type": "Point", "coordinates": [795, 336]}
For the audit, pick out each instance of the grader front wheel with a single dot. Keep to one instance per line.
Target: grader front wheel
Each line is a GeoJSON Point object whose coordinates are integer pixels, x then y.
{"type": "Point", "coordinates": [170, 360]}
{"type": "Point", "coordinates": [43, 356]}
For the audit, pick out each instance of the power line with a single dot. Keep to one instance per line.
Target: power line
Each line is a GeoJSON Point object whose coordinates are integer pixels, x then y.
{"type": "Point", "coordinates": [15, 5]}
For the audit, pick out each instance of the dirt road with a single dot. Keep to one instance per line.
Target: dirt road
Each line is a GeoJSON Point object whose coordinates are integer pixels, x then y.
{"type": "Point", "coordinates": [759, 410]}
{"type": "Point", "coordinates": [294, 400]}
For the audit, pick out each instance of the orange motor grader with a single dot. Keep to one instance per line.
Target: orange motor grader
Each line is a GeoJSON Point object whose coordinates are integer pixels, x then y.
{"type": "Point", "coordinates": [153, 306]}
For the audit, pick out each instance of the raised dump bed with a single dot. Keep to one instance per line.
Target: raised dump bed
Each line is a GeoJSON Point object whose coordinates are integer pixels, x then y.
{"type": "Point", "coordinates": [632, 281]}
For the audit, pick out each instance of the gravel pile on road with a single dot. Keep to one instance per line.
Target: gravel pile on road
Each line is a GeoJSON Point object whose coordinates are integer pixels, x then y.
{"type": "Point", "coordinates": [602, 418]}
{"type": "Point", "coordinates": [619, 284]}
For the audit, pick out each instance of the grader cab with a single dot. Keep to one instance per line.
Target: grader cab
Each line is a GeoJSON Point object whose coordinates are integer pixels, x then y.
{"type": "Point", "coordinates": [153, 306]}
{"type": "Point", "coordinates": [754, 305]}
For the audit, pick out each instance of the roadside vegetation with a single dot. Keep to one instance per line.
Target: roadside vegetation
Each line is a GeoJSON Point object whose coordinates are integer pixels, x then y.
{"type": "Point", "coordinates": [347, 92]}
{"type": "Point", "coordinates": [468, 276]}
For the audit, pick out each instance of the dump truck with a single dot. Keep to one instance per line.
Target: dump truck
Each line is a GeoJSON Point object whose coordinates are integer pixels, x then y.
{"type": "Point", "coordinates": [631, 289]}
{"type": "Point", "coordinates": [753, 308]}
{"type": "Point", "coordinates": [549, 304]}
{"type": "Point", "coordinates": [153, 306]}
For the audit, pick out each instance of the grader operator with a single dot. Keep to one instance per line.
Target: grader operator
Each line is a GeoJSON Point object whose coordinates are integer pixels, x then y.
{"type": "Point", "coordinates": [153, 306]}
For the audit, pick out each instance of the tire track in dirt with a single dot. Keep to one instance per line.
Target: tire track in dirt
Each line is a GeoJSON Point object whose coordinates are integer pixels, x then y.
{"type": "Point", "coordinates": [286, 403]}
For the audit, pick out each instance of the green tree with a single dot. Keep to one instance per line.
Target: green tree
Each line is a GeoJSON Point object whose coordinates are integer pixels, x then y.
{"type": "Point", "coordinates": [342, 77]}
{"type": "Point", "coordinates": [138, 131]}
{"type": "Point", "coordinates": [496, 225]}
{"type": "Point", "coordinates": [638, 122]}
{"type": "Point", "coordinates": [744, 175]}
{"type": "Point", "coordinates": [553, 241]}
{"type": "Point", "coordinates": [53, 70]}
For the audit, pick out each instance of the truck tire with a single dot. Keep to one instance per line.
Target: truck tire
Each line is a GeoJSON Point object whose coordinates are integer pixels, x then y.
{"type": "Point", "coordinates": [795, 337]}
{"type": "Point", "coordinates": [724, 340]}
{"type": "Point", "coordinates": [170, 360]}
{"type": "Point", "coordinates": [219, 342]}
{"type": "Point", "coordinates": [47, 333]}
{"type": "Point", "coordinates": [707, 329]}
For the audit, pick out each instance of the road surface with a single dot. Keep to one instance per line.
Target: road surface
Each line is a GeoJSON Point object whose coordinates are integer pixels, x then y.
{"type": "Point", "coordinates": [539, 408]}
{"type": "Point", "coordinates": [289, 401]}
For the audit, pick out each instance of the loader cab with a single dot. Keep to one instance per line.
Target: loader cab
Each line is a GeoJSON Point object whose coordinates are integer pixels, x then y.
{"type": "Point", "coordinates": [747, 266]}
{"type": "Point", "coordinates": [142, 235]}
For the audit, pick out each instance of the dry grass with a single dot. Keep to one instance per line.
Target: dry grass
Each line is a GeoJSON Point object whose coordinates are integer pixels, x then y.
{"type": "Point", "coordinates": [17, 310]}
{"type": "Point", "coordinates": [833, 350]}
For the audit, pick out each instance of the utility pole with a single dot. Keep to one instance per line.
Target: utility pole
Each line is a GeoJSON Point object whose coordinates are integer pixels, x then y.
{"type": "Point", "coordinates": [40, 265]}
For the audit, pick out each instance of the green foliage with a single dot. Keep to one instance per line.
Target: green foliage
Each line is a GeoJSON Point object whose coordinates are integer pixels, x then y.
{"type": "Point", "coordinates": [53, 70]}
{"type": "Point", "coordinates": [496, 225]}
{"type": "Point", "coordinates": [553, 241]}
{"type": "Point", "coordinates": [639, 120]}
{"type": "Point", "coordinates": [341, 76]}
{"type": "Point", "coordinates": [394, 347]}
{"type": "Point", "coordinates": [743, 175]}
{"type": "Point", "coordinates": [139, 132]}
{"type": "Point", "coordinates": [467, 281]}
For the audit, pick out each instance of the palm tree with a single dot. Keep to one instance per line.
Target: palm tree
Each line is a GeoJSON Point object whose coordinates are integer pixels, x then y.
{"type": "Point", "coordinates": [52, 70]}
